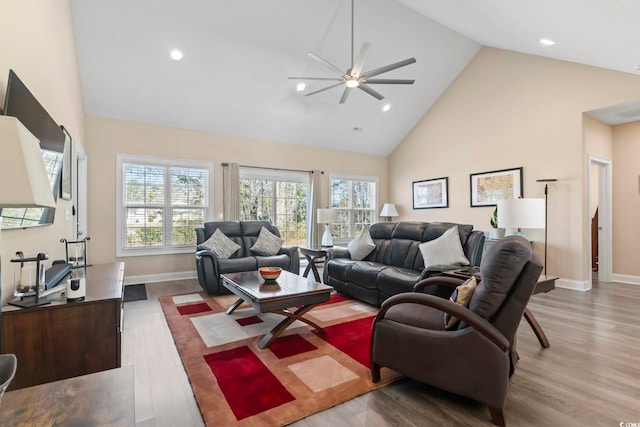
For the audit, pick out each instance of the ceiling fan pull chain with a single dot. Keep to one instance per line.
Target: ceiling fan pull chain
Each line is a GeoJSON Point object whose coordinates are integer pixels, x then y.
{"type": "Point", "coordinates": [352, 38]}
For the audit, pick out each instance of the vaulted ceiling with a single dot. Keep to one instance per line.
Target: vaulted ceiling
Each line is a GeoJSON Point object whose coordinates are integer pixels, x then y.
{"type": "Point", "coordinates": [238, 55]}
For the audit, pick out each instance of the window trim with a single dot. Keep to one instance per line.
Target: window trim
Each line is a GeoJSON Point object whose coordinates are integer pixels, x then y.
{"type": "Point", "coordinates": [341, 241]}
{"type": "Point", "coordinates": [121, 250]}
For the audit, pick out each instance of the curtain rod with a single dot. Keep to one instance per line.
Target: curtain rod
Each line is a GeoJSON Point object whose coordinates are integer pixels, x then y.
{"type": "Point", "coordinates": [272, 169]}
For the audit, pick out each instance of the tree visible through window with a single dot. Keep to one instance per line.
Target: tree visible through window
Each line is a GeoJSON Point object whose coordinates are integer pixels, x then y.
{"type": "Point", "coordinates": [162, 204]}
{"type": "Point", "coordinates": [279, 197]}
{"type": "Point", "coordinates": [355, 201]}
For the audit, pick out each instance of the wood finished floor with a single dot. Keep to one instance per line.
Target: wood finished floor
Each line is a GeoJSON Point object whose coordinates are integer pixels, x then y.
{"type": "Point", "coordinates": [590, 376]}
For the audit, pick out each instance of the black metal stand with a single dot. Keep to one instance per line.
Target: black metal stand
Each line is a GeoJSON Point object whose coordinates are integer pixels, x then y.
{"type": "Point", "coordinates": [546, 210]}
{"type": "Point", "coordinates": [27, 301]}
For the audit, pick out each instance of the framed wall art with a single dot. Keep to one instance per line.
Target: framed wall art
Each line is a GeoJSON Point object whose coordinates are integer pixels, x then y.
{"type": "Point", "coordinates": [489, 187]}
{"type": "Point", "coordinates": [65, 184]}
{"type": "Point", "coordinates": [431, 193]}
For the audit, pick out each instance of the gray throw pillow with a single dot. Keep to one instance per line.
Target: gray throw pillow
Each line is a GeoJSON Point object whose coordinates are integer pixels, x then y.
{"type": "Point", "coordinates": [222, 246]}
{"type": "Point", "coordinates": [445, 250]}
{"type": "Point", "coordinates": [268, 244]}
{"type": "Point", "coordinates": [361, 246]}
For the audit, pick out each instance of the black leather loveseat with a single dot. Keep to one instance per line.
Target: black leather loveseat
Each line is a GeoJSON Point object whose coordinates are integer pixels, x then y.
{"type": "Point", "coordinates": [245, 234]}
{"type": "Point", "coordinates": [396, 264]}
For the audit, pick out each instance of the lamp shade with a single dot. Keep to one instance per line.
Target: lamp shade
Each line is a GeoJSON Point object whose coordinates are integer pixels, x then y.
{"type": "Point", "coordinates": [389, 209]}
{"type": "Point", "coordinates": [521, 213]}
{"type": "Point", "coordinates": [23, 177]}
{"type": "Point", "coordinates": [327, 216]}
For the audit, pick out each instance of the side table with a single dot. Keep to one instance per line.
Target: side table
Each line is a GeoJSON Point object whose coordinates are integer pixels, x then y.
{"type": "Point", "coordinates": [312, 255]}
{"type": "Point", "coordinates": [544, 284]}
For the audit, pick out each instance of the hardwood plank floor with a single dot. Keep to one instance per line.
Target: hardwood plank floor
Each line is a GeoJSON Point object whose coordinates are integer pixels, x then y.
{"type": "Point", "coordinates": [590, 376]}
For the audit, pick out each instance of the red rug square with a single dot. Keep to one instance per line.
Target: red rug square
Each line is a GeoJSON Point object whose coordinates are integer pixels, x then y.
{"type": "Point", "coordinates": [290, 345]}
{"type": "Point", "coordinates": [200, 307]}
{"type": "Point", "coordinates": [249, 320]}
{"type": "Point", "coordinates": [247, 384]}
{"type": "Point", "coordinates": [352, 338]}
{"type": "Point", "coordinates": [336, 297]}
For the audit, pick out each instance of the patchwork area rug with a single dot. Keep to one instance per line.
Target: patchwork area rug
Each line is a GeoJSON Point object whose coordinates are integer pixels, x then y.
{"type": "Point", "coordinates": [302, 372]}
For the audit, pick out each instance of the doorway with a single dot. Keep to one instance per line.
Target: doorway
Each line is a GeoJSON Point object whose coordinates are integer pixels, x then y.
{"type": "Point", "coordinates": [600, 177]}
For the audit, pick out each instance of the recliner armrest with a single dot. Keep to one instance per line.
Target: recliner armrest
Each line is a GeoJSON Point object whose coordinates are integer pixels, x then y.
{"type": "Point", "coordinates": [294, 256]}
{"type": "Point", "coordinates": [337, 253]}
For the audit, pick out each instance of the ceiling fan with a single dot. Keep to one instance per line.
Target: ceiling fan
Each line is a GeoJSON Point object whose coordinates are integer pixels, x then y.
{"type": "Point", "coordinates": [354, 77]}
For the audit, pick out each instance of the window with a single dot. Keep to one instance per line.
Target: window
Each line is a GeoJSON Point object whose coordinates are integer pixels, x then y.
{"type": "Point", "coordinates": [160, 202]}
{"type": "Point", "coordinates": [279, 197]}
{"type": "Point", "coordinates": [355, 200]}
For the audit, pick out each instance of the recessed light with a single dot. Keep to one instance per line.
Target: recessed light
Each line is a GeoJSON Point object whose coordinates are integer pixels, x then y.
{"type": "Point", "coordinates": [176, 55]}
{"type": "Point", "coordinates": [547, 42]}
{"type": "Point", "coordinates": [357, 129]}
{"type": "Point", "coordinates": [386, 107]}
{"type": "Point", "coordinates": [301, 87]}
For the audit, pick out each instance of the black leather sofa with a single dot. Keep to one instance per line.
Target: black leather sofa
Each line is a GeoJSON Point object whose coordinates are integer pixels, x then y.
{"type": "Point", "coordinates": [245, 234]}
{"type": "Point", "coordinates": [396, 263]}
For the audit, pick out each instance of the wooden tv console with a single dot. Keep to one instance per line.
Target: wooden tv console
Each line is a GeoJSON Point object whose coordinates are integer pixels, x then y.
{"type": "Point", "coordinates": [67, 339]}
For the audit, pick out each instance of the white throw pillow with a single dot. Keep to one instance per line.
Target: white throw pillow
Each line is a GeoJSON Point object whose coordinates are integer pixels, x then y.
{"type": "Point", "coordinates": [445, 250]}
{"type": "Point", "coordinates": [268, 244]}
{"type": "Point", "coordinates": [222, 246]}
{"type": "Point", "coordinates": [361, 246]}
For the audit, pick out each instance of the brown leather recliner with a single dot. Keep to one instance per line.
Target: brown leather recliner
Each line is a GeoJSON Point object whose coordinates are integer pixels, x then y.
{"type": "Point", "coordinates": [476, 359]}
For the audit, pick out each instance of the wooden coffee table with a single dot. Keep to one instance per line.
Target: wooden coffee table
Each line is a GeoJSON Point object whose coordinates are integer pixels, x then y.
{"type": "Point", "coordinates": [279, 297]}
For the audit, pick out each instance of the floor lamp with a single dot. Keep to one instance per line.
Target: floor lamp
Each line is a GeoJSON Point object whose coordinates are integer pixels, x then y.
{"type": "Point", "coordinates": [546, 216]}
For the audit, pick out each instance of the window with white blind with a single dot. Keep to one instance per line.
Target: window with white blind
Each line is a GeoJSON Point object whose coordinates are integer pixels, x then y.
{"type": "Point", "coordinates": [277, 196]}
{"type": "Point", "coordinates": [160, 202]}
{"type": "Point", "coordinates": [355, 199]}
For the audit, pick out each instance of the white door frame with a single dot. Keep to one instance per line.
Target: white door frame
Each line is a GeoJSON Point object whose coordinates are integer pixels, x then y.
{"type": "Point", "coordinates": [605, 215]}
{"type": "Point", "coordinates": [80, 196]}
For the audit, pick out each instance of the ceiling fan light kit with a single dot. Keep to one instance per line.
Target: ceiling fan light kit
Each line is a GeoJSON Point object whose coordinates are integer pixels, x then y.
{"type": "Point", "coordinates": [354, 77]}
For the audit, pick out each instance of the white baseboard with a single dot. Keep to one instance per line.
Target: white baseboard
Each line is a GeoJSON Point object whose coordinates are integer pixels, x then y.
{"type": "Point", "coordinates": [578, 285]}
{"type": "Point", "coordinates": [626, 278]}
{"type": "Point", "coordinates": [161, 277]}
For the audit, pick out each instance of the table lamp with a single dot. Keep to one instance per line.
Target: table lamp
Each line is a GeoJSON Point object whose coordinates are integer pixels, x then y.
{"type": "Point", "coordinates": [389, 210]}
{"type": "Point", "coordinates": [520, 213]}
{"type": "Point", "coordinates": [327, 217]}
{"type": "Point", "coordinates": [23, 177]}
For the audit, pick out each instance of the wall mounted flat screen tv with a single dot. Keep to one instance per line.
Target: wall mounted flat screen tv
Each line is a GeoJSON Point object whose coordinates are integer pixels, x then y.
{"type": "Point", "coordinates": [19, 102]}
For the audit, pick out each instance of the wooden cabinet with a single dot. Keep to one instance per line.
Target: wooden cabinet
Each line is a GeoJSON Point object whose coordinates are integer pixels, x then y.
{"type": "Point", "coordinates": [66, 339]}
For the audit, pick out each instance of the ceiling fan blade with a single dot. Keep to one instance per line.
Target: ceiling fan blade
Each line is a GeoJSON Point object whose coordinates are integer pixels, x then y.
{"type": "Point", "coordinates": [325, 63]}
{"type": "Point", "coordinates": [345, 94]}
{"type": "Point", "coordinates": [359, 63]}
{"type": "Point", "coordinates": [387, 68]}
{"type": "Point", "coordinates": [389, 82]}
{"type": "Point", "coordinates": [372, 92]}
{"type": "Point", "coordinates": [336, 79]}
{"type": "Point", "coordinates": [323, 89]}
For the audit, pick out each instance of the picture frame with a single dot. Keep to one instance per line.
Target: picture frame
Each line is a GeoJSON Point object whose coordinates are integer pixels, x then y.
{"type": "Point", "coordinates": [65, 182]}
{"type": "Point", "coordinates": [486, 188]}
{"type": "Point", "coordinates": [431, 193]}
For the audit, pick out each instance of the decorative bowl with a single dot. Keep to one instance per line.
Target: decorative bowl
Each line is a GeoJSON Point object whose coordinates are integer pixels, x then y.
{"type": "Point", "coordinates": [270, 273]}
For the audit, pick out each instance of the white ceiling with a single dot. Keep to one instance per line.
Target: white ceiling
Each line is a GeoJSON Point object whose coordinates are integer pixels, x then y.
{"type": "Point", "coordinates": [239, 53]}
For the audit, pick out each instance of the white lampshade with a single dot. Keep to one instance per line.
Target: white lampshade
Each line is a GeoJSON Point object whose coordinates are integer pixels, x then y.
{"type": "Point", "coordinates": [389, 209]}
{"type": "Point", "coordinates": [521, 213]}
{"type": "Point", "coordinates": [23, 177]}
{"type": "Point", "coordinates": [327, 216]}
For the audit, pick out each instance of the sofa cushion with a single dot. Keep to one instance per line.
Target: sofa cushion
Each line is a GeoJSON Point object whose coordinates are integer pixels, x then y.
{"type": "Point", "coordinates": [234, 265]}
{"type": "Point", "coordinates": [395, 280]}
{"type": "Point", "coordinates": [361, 246]}
{"type": "Point", "coordinates": [340, 268]}
{"type": "Point", "coordinates": [268, 244]}
{"type": "Point", "coordinates": [365, 273]}
{"type": "Point", "coordinates": [220, 245]}
{"type": "Point", "coordinates": [501, 266]}
{"type": "Point", "coordinates": [446, 250]}
{"type": "Point", "coordinates": [462, 296]}
{"type": "Point", "coordinates": [281, 260]}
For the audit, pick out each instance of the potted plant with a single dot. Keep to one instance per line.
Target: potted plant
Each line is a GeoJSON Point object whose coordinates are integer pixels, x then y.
{"type": "Point", "coordinates": [495, 232]}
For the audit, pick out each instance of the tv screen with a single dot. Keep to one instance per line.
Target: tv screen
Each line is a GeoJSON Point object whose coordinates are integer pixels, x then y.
{"type": "Point", "coordinates": [20, 103]}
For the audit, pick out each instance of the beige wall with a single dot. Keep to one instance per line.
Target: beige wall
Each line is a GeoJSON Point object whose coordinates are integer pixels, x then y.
{"type": "Point", "coordinates": [106, 138]}
{"type": "Point", "coordinates": [506, 110]}
{"type": "Point", "coordinates": [626, 201]}
{"type": "Point", "coordinates": [36, 41]}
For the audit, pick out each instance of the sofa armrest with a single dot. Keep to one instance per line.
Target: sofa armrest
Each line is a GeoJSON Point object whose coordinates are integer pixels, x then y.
{"type": "Point", "coordinates": [337, 253]}
{"type": "Point", "coordinates": [208, 270]}
{"type": "Point", "coordinates": [294, 257]}
{"type": "Point", "coordinates": [474, 248]}
{"type": "Point", "coordinates": [436, 270]}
